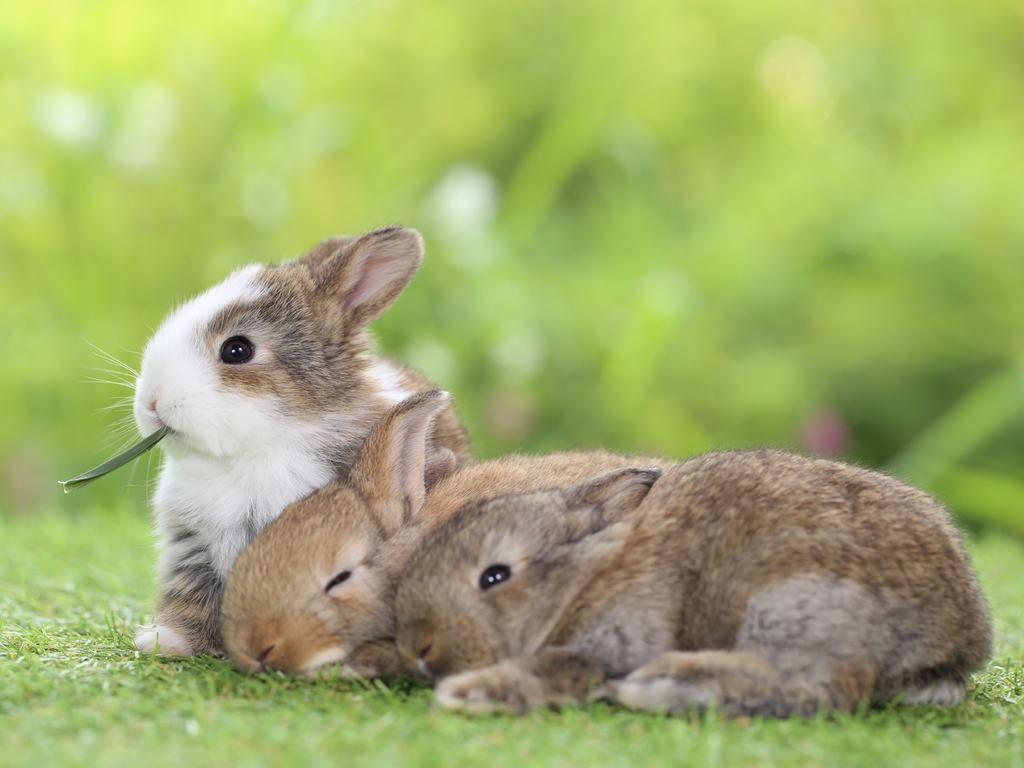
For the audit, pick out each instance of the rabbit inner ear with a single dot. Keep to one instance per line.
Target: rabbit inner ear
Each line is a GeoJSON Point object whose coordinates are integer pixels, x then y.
{"type": "Point", "coordinates": [367, 276]}
{"type": "Point", "coordinates": [438, 464]}
{"type": "Point", "coordinates": [392, 466]}
{"type": "Point", "coordinates": [613, 495]}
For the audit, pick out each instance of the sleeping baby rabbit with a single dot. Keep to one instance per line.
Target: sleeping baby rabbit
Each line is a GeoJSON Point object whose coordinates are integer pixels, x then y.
{"type": "Point", "coordinates": [268, 389]}
{"type": "Point", "coordinates": [768, 583]}
{"type": "Point", "coordinates": [314, 592]}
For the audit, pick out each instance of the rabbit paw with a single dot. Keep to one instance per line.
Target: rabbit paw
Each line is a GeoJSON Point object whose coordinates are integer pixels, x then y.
{"type": "Point", "coordinates": [166, 642]}
{"type": "Point", "coordinates": [677, 681]}
{"type": "Point", "coordinates": [499, 688]}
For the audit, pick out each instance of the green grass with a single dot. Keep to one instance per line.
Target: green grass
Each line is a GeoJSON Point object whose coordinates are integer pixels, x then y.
{"type": "Point", "coordinates": [73, 691]}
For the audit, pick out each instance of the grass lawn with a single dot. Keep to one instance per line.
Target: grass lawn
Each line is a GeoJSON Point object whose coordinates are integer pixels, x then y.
{"type": "Point", "coordinates": [73, 691]}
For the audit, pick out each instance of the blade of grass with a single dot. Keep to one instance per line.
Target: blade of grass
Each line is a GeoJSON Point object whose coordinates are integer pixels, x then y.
{"type": "Point", "coordinates": [969, 423]}
{"type": "Point", "coordinates": [986, 497]}
{"type": "Point", "coordinates": [118, 461]}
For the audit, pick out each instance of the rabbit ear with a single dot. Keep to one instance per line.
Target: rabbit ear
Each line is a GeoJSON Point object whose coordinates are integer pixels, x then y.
{"type": "Point", "coordinates": [361, 278]}
{"type": "Point", "coordinates": [324, 250]}
{"type": "Point", "coordinates": [438, 464]}
{"type": "Point", "coordinates": [391, 470]}
{"type": "Point", "coordinates": [614, 494]}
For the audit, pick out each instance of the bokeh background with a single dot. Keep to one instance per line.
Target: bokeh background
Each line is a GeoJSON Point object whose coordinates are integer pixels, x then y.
{"type": "Point", "coordinates": [651, 225]}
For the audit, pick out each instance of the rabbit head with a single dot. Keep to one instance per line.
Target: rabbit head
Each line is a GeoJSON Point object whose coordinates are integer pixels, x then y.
{"type": "Point", "coordinates": [314, 586]}
{"type": "Point", "coordinates": [495, 580]}
{"type": "Point", "coordinates": [271, 356]}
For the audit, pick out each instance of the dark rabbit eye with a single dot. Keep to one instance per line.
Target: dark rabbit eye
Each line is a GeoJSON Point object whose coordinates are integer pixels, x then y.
{"type": "Point", "coordinates": [493, 576]}
{"type": "Point", "coordinates": [341, 578]}
{"type": "Point", "coordinates": [237, 349]}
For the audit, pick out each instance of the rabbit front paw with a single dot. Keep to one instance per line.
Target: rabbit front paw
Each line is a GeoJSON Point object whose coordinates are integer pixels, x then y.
{"type": "Point", "coordinates": [502, 687]}
{"type": "Point", "coordinates": [166, 642]}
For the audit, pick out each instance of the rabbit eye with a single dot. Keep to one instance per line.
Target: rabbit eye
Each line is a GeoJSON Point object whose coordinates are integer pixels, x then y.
{"type": "Point", "coordinates": [237, 349]}
{"type": "Point", "coordinates": [339, 579]}
{"type": "Point", "coordinates": [493, 576]}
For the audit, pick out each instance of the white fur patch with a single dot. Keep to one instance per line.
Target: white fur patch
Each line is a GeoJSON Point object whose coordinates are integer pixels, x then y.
{"type": "Point", "coordinates": [226, 500]}
{"type": "Point", "coordinates": [313, 668]}
{"type": "Point", "coordinates": [389, 379]}
{"type": "Point", "coordinates": [166, 642]}
{"type": "Point", "coordinates": [944, 693]}
{"type": "Point", "coordinates": [178, 385]}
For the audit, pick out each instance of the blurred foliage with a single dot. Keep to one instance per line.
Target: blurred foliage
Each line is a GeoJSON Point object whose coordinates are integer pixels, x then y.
{"type": "Point", "coordinates": [654, 225]}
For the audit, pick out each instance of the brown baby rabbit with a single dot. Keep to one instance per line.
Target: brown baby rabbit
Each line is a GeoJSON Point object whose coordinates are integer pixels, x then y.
{"type": "Point", "coordinates": [768, 583]}
{"type": "Point", "coordinates": [314, 592]}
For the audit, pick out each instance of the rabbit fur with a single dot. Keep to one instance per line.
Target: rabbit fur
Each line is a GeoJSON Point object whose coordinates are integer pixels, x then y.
{"type": "Point", "coordinates": [313, 594]}
{"type": "Point", "coordinates": [768, 583]}
{"type": "Point", "coordinates": [269, 389]}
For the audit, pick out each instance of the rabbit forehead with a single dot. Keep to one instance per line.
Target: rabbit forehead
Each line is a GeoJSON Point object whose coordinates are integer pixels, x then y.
{"type": "Point", "coordinates": [241, 285]}
{"type": "Point", "coordinates": [332, 525]}
{"type": "Point", "coordinates": [528, 524]}
{"type": "Point", "coordinates": [513, 544]}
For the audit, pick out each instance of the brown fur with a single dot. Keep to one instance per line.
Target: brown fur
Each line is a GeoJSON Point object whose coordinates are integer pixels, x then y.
{"type": "Point", "coordinates": [769, 583]}
{"type": "Point", "coordinates": [399, 489]}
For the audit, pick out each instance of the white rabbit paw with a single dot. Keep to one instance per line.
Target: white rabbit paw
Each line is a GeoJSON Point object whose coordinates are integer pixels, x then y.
{"type": "Point", "coordinates": [166, 642]}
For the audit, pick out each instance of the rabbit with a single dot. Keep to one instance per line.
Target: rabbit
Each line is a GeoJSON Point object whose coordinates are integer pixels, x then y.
{"type": "Point", "coordinates": [268, 388]}
{"type": "Point", "coordinates": [313, 593]}
{"type": "Point", "coordinates": [766, 582]}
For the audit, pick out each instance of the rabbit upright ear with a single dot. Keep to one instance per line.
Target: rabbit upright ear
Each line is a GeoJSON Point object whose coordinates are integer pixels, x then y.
{"type": "Point", "coordinates": [392, 468]}
{"type": "Point", "coordinates": [613, 494]}
{"type": "Point", "coordinates": [362, 278]}
{"type": "Point", "coordinates": [439, 462]}
{"type": "Point", "coordinates": [324, 250]}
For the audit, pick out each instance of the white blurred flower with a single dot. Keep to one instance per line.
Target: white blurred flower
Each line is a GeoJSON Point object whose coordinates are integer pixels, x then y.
{"type": "Point", "coordinates": [519, 353]}
{"type": "Point", "coordinates": [795, 73]}
{"type": "Point", "coordinates": [74, 118]}
{"type": "Point", "coordinates": [465, 200]}
{"type": "Point", "coordinates": [282, 85]}
{"type": "Point", "coordinates": [265, 200]}
{"type": "Point", "coordinates": [150, 119]}
{"type": "Point", "coordinates": [317, 132]}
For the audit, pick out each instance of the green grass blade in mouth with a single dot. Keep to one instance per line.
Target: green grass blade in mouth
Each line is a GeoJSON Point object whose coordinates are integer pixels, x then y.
{"type": "Point", "coordinates": [121, 459]}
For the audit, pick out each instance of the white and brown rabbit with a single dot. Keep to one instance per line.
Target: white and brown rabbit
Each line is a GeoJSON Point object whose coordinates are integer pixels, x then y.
{"type": "Point", "coordinates": [268, 389]}
{"type": "Point", "coordinates": [314, 591]}
{"type": "Point", "coordinates": [766, 582]}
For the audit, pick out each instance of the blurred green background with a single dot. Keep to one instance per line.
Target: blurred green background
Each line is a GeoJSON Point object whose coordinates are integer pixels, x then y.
{"type": "Point", "coordinates": [651, 225]}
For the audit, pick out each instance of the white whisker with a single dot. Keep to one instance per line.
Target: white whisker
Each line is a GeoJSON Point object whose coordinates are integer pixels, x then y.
{"type": "Point", "coordinates": [110, 358]}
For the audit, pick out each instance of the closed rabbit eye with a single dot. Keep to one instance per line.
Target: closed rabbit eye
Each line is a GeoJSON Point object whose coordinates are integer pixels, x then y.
{"type": "Point", "coordinates": [493, 576]}
{"type": "Point", "coordinates": [341, 578]}
{"type": "Point", "coordinates": [235, 350]}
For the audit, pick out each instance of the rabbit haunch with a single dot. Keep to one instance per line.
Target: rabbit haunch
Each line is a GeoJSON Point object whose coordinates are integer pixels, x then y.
{"type": "Point", "coordinates": [769, 583]}
{"type": "Point", "coordinates": [256, 427]}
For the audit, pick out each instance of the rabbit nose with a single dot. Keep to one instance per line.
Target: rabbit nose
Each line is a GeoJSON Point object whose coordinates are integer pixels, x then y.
{"type": "Point", "coordinates": [415, 641]}
{"type": "Point", "coordinates": [422, 664]}
{"type": "Point", "coordinates": [261, 661]}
